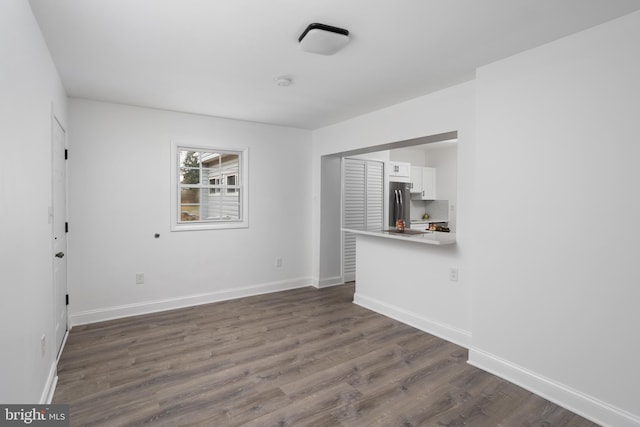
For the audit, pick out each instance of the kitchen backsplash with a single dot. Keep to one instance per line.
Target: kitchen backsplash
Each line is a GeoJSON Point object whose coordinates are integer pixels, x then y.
{"type": "Point", "coordinates": [437, 209]}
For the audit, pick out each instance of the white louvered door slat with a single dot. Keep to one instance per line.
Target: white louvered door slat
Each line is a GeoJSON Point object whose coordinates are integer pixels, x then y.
{"type": "Point", "coordinates": [374, 194]}
{"type": "Point", "coordinates": [353, 211]}
{"type": "Point", "coordinates": [362, 206]}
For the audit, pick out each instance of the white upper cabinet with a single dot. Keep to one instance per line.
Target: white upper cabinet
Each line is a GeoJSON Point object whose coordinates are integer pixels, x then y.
{"type": "Point", "coordinates": [399, 171]}
{"type": "Point", "coordinates": [416, 179]}
{"type": "Point", "coordinates": [428, 183]}
{"type": "Point", "coordinates": [423, 183]}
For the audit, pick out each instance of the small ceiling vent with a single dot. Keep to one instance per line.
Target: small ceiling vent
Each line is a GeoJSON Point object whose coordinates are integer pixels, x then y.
{"type": "Point", "coordinates": [284, 81]}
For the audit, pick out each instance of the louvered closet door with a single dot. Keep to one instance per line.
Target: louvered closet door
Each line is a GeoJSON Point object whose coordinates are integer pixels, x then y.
{"type": "Point", "coordinates": [374, 196]}
{"type": "Point", "coordinates": [362, 206]}
{"type": "Point", "coordinates": [353, 212]}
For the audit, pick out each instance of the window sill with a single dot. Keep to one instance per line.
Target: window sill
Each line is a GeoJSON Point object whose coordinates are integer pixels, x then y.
{"type": "Point", "coordinates": [209, 226]}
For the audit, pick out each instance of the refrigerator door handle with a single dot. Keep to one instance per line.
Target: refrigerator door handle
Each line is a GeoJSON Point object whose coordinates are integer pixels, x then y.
{"type": "Point", "coordinates": [395, 205]}
{"type": "Point", "coordinates": [396, 208]}
{"type": "Point", "coordinates": [400, 197]}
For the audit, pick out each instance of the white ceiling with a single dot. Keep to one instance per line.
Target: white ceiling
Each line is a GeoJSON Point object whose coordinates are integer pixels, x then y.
{"type": "Point", "coordinates": [221, 57]}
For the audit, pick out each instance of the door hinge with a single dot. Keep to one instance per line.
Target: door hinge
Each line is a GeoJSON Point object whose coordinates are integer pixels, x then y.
{"type": "Point", "coordinates": [66, 154]}
{"type": "Point", "coordinates": [66, 227]}
{"type": "Point", "coordinates": [66, 299]}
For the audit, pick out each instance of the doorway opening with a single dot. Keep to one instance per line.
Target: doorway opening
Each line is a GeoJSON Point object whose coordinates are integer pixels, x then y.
{"type": "Point", "coordinates": [332, 248]}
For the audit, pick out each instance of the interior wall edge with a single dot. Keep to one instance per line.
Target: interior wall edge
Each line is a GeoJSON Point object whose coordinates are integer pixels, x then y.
{"type": "Point", "coordinates": [582, 404]}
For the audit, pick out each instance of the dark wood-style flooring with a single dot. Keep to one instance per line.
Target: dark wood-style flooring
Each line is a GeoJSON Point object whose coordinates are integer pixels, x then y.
{"type": "Point", "coordinates": [304, 357]}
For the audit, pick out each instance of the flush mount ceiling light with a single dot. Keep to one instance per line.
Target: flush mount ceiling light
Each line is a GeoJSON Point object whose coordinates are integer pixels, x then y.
{"type": "Point", "coordinates": [323, 39]}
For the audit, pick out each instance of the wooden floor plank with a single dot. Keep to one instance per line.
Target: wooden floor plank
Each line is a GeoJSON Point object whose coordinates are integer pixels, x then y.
{"type": "Point", "coordinates": [304, 357]}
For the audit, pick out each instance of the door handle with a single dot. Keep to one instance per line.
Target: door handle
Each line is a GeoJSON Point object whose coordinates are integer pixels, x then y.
{"type": "Point", "coordinates": [60, 255]}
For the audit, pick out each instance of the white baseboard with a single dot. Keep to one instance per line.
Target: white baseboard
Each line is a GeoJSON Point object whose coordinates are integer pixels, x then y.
{"type": "Point", "coordinates": [330, 281]}
{"type": "Point", "coordinates": [50, 386]}
{"type": "Point", "coordinates": [117, 312]}
{"type": "Point", "coordinates": [567, 397]}
{"type": "Point", "coordinates": [64, 342]}
{"type": "Point", "coordinates": [444, 331]}
{"type": "Point", "coordinates": [52, 380]}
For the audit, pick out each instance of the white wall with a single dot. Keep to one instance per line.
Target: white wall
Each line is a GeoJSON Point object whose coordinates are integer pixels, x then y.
{"type": "Point", "coordinates": [382, 156]}
{"type": "Point", "coordinates": [449, 110]}
{"type": "Point", "coordinates": [30, 92]}
{"type": "Point", "coordinates": [404, 281]}
{"type": "Point", "coordinates": [555, 302]}
{"type": "Point", "coordinates": [412, 155]}
{"type": "Point", "coordinates": [119, 184]}
{"type": "Point", "coordinates": [444, 159]}
{"type": "Point", "coordinates": [331, 238]}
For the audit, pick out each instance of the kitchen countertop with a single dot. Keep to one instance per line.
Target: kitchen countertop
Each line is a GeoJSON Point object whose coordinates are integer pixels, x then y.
{"type": "Point", "coordinates": [427, 221]}
{"type": "Point", "coordinates": [427, 238]}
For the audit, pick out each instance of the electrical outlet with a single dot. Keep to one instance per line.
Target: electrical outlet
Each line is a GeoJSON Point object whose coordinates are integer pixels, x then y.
{"type": "Point", "coordinates": [453, 274]}
{"type": "Point", "coordinates": [43, 345]}
{"type": "Point", "coordinates": [279, 262]}
{"type": "Point", "coordinates": [139, 278]}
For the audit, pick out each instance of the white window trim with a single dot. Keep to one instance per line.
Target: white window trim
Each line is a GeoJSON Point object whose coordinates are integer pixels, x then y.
{"type": "Point", "coordinates": [176, 225]}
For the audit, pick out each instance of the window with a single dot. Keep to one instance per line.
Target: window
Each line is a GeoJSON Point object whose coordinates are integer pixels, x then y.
{"type": "Point", "coordinates": [231, 183]}
{"type": "Point", "coordinates": [215, 185]}
{"type": "Point", "coordinates": [209, 187]}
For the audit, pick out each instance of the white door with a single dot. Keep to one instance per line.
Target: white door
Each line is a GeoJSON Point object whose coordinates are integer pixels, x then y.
{"type": "Point", "coordinates": [362, 206]}
{"type": "Point", "coordinates": [59, 169]}
{"type": "Point", "coordinates": [375, 195]}
{"type": "Point", "coordinates": [353, 212]}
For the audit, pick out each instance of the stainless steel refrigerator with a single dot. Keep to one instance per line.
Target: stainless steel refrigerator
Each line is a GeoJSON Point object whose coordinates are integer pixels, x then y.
{"type": "Point", "coordinates": [399, 203]}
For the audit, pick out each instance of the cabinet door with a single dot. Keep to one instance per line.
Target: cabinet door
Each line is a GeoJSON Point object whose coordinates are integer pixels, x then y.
{"type": "Point", "coordinates": [399, 171]}
{"type": "Point", "coordinates": [416, 179]}
{"type": "Point", "coordinates": [428, 183]}
{"type": "Point", "coordinates": [405, 169]}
